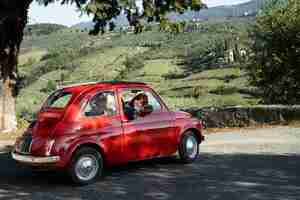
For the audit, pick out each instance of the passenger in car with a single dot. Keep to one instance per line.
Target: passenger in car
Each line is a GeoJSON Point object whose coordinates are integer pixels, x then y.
{"type": "Point", "coordinates": [137, 107]}
{"type": "Point", "coordinates": [97, 106]}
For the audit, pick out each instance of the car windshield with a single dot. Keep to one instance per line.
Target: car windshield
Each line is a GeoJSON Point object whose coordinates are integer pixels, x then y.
{"type": "Point", "coordinates": [58, 99]}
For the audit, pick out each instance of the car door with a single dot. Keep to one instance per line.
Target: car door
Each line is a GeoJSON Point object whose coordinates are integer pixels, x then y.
{"type": "Point", "coordinates": [153, 134]}
{"type": "Point", "coordinates": [103, 125]}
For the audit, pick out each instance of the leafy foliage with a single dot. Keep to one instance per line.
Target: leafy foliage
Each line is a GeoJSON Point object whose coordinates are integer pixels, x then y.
{"type": "Point", "coordinates": [276, 46]}
{"type": "Point", "coordinates": [104, 11]}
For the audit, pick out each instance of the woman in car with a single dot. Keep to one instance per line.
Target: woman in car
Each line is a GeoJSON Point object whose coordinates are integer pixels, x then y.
{"type": "Point", "coordinates": [102, 104]}
{"type": "Point", "coordinates": [138, 107]}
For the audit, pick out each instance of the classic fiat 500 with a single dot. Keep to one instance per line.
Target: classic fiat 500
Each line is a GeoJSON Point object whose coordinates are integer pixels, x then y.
{"type": "Point", "coordinates": [84, 128]}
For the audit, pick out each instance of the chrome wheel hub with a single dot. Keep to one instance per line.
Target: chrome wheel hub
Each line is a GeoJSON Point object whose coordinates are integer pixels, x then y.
{"type": "Point", "coordinates": [87, 167]}
{"type": "Point", "coordinates": [191, 147]}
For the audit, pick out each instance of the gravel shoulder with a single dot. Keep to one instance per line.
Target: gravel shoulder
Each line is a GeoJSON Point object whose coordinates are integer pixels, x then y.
{"type": "Point", "coordinates": [276, 140]}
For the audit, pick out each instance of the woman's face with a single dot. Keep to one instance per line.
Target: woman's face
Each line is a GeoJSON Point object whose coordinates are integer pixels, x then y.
{"type": "Point", "coordinates": [138, 103]}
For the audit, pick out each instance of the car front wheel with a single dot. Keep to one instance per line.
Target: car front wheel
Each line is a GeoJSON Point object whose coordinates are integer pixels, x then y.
{"type": "Point", "coordinates": [188, 147]}
{"type": "Point", "coordinates": [86, 166]}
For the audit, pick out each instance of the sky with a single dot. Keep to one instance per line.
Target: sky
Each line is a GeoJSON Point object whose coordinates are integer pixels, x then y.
{"type": "Point", "coordinates": [68, 15]}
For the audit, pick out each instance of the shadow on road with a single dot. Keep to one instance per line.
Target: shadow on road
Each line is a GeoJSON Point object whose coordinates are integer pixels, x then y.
{"type": "Point", "coordinates": [232, 176]}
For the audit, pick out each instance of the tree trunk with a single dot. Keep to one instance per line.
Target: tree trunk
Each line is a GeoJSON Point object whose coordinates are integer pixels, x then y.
{"type": "Point", "coordinates": [13, 19]}
{"type": "Point", "coordinates": [8, 90]}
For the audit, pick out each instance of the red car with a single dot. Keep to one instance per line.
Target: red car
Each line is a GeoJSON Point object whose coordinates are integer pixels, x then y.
{"type": "Point", "coordinates": [82, 128]}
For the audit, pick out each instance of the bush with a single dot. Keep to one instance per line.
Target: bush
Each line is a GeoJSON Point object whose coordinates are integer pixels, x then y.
{"type": "Point", "coordinates": [274, 67]}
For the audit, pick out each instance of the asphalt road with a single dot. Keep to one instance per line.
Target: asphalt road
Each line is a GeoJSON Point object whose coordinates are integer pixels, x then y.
{"type": "Point", "coordinates": [227, 169]}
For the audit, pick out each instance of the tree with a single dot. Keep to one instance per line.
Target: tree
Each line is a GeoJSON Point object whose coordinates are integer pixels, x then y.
{"type": "Point", "coordinates": [14, 17]}
{"type": "Point", "coordinates": [275, 62]}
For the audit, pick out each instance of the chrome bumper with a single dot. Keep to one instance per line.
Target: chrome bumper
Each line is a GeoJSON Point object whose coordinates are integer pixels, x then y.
{"type": "Point", "coordinates": [34, 160]}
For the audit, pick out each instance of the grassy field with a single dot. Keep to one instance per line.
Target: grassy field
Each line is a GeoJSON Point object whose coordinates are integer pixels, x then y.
{"type": "Point", "coordinates": [159, 59]}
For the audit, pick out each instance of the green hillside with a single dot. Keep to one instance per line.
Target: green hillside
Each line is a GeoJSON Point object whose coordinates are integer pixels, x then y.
{"type": "Point", "coordinates": [42, 29]}
{"type": "Point", "coordinates": [186, 69]}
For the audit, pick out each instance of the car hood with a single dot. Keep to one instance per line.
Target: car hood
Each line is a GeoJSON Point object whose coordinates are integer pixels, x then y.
{"type": "Point", "coordinates": [182, 115]}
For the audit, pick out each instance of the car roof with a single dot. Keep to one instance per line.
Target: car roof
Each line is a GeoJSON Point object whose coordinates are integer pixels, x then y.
{"type": "Point", "coordinates": [91, 85]}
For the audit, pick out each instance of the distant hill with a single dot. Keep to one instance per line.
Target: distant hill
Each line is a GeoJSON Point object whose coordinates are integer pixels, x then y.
{"type": "Point", "coordinates": [250, 8]}
{"type": "Point", "coordinates": [240, 10]}
{"type": "Point", "coordinates": [42, 29]}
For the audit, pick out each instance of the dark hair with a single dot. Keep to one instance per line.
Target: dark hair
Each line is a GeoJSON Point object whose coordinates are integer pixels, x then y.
{"type": "Point", "coordinates": [140, 96]}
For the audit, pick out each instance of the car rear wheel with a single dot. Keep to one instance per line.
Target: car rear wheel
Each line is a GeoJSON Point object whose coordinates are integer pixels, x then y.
{"type": "Point", "coordinates": [188, 147]}
{"type": "Point", "coordinates": [86, 166]}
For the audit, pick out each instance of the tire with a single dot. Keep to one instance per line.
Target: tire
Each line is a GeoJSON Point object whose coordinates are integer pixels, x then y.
{"type": "Point", "coordinates": [188, 147]}
{"type": "Point", "coordinates": [86, 166]}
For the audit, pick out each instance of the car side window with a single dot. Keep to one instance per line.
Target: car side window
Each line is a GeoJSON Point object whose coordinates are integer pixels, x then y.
{"type": "Point", "coordinates": [58, 99]}
{"type": "Point", "coordinates": [102, 103]}
{"type": "Point", "coordinates": [138, 103]}
{"type": "Point", "coordinates": [153, 101]}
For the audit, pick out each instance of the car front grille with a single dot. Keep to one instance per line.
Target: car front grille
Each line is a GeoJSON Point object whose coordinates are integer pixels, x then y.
{"type": "Point", "coordinates": [26, 144]}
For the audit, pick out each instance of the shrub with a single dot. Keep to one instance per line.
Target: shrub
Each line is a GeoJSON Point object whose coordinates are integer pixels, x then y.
{"type": "Point", "coordinates": [274, 67]}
